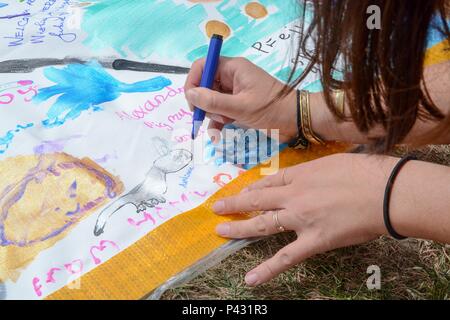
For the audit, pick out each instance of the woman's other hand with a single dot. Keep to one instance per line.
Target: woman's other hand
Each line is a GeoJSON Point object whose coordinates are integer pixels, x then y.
{"type": "Point", "coordinates": [335, 202]}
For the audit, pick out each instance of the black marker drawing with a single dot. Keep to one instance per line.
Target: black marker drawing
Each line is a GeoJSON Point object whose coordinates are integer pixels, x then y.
{"type": "Point", "coordinates": [151, 191]}
{"type": "Point", "coordinates": [122, 64]}
{"type": "Point", "coordinates": [29, 65]}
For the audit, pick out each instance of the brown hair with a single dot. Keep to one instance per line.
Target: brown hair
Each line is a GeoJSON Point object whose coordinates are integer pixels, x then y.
{"type": "Point", "coordinates": [383, 70]}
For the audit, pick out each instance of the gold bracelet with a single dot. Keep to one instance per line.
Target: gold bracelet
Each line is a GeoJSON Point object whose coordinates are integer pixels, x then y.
{"type": "Point", "coordinates": [339, 100]}
{"type": "Point", "coordinates": [306, 119]}
{"type": "Point", "coordinates": [300, 142]}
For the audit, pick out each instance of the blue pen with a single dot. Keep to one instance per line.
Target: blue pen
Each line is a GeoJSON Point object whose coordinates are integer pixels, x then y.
{"type": "Point", "coordinates": [209, 73]}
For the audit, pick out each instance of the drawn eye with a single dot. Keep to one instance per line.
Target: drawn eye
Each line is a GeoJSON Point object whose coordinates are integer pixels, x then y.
{"type": "Point", "coordinates": [255, 10]}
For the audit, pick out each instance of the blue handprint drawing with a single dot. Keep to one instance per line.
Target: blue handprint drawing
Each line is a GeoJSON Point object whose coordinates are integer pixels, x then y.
{"type": "Point", "coordinates": [82, 87]}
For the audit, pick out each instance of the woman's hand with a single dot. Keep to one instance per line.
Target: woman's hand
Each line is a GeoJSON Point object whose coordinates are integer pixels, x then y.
{"type": "Point", "coordinates": [330, 203]}
{"type": "Point", "coordinates": [242, 93]}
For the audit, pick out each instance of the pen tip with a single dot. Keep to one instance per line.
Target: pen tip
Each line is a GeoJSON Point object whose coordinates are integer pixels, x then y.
{"type": "Point", "coordinates": [195, 130]}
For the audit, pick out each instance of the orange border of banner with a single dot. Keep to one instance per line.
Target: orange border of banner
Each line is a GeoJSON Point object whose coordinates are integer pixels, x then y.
{"type": "Point", "coordinates": [438, 53]}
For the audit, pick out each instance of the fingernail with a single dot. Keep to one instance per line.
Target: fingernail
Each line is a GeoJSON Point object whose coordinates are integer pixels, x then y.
{"type": "Point", "coordinates": [251, 279]}
{"type": "Point", "coordinates": [219, 206]}
{"type": "Point", "coordinates": [192, 95]}
{"type": "Point", "coordinates": [223, 229]}
{"type": "Point", "coordinates": [213, 139]}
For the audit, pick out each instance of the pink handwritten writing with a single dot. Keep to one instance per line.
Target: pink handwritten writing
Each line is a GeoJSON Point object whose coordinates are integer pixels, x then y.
{"type": "Point", "coordinates": [219, 179]}
{"type": "Point", "coordinates": [25, 82]}
{"type": "Point", "coordinates": [180, 115]}
{"type": "Point", "coordinates": [161, 125]}
{"type": "Point", "coordinates": [71, 270]}
{"type": "Point", "coordinates": [187, 137]}
{"type": "Point", "coordinates": [101, 247]}
{"type": "Point", "coordinates": [28, 97]}
{"type": "Point", "coordinates": [37, 287]}
{"type": "Point", "coordinates": [186, 196]}
{"type": "Point", "coordinates": [147, 217]}
{"type": "Point", "coordinates": [201, 194]}
{"type": "Point", "coordinates": [50, 275]}
{"type": "Point", "coordinates": [6, 98]}
{"type": "Point", "coordinates": [150, 105]}
{"type": "Point", "coordinates": [24, 88]}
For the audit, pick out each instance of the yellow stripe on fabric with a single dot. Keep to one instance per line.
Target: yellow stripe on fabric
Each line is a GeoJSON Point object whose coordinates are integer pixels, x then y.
{"type": "Point", "coordinates": [175, 245]}
{"type": "Point", "coordinates": [438, 53]}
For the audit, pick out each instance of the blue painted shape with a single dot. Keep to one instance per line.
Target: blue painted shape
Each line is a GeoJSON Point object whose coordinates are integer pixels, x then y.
{"type": "Point", "coordinates": [236, 147]}
{"type": "Point", "coordinates": [435, 36]}
{"type": "Point", "coordinates": [85, 87]}
{"type": "Point", "coordinates": [3, 4]}
{"type": "Point", "coordinates": [6, 140]}
{"type": "Point", "coordinates": [210, 151]}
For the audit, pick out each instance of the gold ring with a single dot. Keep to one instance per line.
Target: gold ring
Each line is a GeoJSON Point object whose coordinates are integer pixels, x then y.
{"type": "Point", "coordinates": [278, 225]}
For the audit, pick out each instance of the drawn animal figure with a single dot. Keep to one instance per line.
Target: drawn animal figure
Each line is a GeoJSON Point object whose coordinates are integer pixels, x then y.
{"type": "Point", "coordinates": [149, 193]}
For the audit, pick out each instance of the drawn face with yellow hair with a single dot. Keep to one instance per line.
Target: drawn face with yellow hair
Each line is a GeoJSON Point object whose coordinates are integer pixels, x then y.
{"type": "Point", "coordinates": [41, 198]}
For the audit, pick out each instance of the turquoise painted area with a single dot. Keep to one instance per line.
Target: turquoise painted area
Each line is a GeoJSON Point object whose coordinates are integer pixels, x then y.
{"type": "Point", "coordinates": [270, 62]}
{"type": "Point", "coordinates": [175, 30]}
{"type": "Point", "coordinates": [85, 87]}
{"type": "Point", "coordinates": [144, 27]}
{"type": "Point", "coordinates": [3, 4]}
{"type": "Point", "coordinates": [6, 140]}
{"type": "Point", "coordinates": [315, 86]}
{"type": "Point", "coordinates": [284, 73]}
{"type": "Point", "coordinates": [246, 31]}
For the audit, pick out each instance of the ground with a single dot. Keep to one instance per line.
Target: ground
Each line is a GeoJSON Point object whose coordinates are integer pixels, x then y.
{"type": "Point", "coordinates": [411, 269]}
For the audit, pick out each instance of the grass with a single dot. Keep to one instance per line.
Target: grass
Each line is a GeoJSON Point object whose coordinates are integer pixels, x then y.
{"type": "Point", "coordinates": [411, 269]}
